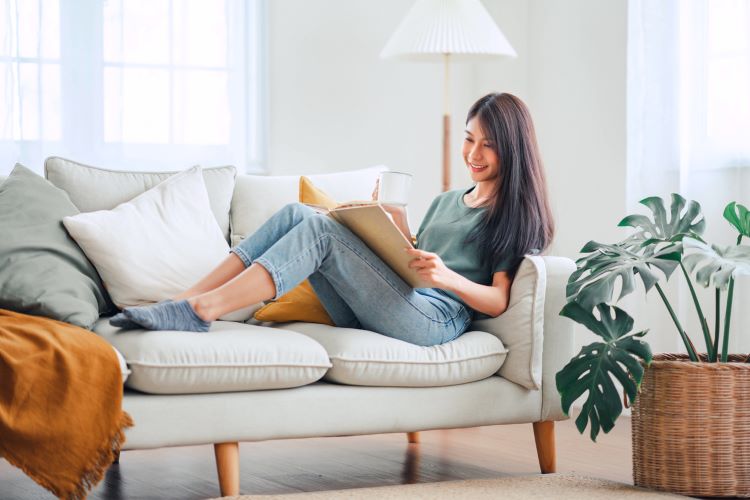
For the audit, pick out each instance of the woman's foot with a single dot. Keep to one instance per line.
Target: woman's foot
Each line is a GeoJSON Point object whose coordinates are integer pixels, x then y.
{"type": "Point", "coordinates": [169, 315]}
{"type": "Point", "coordinates": [121, 321]}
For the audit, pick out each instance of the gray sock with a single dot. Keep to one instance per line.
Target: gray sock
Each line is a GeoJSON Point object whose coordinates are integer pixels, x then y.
{"type": "Point", "coordinates": [121, 321]}
{"type": "Point", "coordinates": [167, 316]}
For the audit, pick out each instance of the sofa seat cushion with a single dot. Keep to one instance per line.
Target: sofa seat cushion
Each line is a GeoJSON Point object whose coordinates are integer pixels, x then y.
{"type": "Point", "coordinates": [230, 357]}
{"type": "Point", "coordinates": [362, 357]}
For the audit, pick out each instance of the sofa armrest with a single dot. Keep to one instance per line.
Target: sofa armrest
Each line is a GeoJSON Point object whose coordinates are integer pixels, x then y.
{"type": "Point", "coordinates": [559, 342]}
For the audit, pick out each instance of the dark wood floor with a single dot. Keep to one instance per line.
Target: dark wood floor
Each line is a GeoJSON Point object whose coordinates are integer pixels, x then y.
{"type": "Point", "coordinates": [289, 466]}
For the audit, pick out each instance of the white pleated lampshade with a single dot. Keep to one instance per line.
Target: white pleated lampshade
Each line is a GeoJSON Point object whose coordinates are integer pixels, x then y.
{"type": "Point", "coordinates": [461, 28]}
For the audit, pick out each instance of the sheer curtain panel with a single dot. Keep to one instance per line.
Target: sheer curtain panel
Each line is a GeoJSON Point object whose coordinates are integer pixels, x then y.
{"type": "Point", "coordinates": [133, 84]}
{"type": "Point", "coordinates": [688, 112]}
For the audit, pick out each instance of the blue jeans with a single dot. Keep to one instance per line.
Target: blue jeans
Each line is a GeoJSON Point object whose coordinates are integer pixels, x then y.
{"type": "Point", "coordinates": [357, 289]}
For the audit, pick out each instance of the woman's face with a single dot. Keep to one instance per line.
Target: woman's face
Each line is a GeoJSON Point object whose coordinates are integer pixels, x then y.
{"type": "Point", "coordinates": [479, 153]}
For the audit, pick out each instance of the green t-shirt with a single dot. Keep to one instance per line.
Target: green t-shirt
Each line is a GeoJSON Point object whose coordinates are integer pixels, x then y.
{"type": "Point", "coordinates": [444, 230]}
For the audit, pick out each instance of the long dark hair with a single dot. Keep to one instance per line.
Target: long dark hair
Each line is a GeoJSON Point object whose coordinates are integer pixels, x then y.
{"type": "Point", "coordinates": [518, 219]}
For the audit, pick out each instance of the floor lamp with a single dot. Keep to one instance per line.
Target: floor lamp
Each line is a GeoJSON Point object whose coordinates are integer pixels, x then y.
{"type": "Point", "coordinates": [445, 30]}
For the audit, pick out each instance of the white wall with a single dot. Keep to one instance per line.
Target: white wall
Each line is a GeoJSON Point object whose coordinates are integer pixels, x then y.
{"type": "Point", "coordinates": [577, 97]}
{"type": "Point", "coordinates": [576, 92]}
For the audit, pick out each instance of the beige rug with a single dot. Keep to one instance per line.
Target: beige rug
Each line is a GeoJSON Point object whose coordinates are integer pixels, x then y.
{"type": "Point", "coordinates": [550, 486]}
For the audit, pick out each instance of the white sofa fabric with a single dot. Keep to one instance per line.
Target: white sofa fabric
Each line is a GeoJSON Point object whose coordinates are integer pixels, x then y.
{"type": "Point", "coordinates": [230, 357]}
{"type": "Point", "coordinates": [521, 326]}
{"type": "Point", "coordinates": [329, 409]}
{"type": "Point", "coordinates": [323, 409]}
{"type": "Point", "coordinates": [156, 245]}
{"type": "Point", "coordinates": [257, 197]}
{"type": "Point", "coordinates": [95, 188]}
{"type": "Point", "coordinates": [362, 357]}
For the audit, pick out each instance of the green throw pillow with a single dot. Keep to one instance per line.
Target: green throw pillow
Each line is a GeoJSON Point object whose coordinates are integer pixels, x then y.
{"type": "Point", "coordinates": [42, 270]}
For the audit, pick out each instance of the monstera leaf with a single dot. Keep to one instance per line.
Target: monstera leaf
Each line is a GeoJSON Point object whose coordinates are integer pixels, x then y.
{"type": "Point", "coordinates": [593, 369]}
{"type": "Point", "coordinates": [739, 217]}
{"type": "Point", "coordinates": [690, 223]}
{"type": "Point", "coordinates": [715, 263]}
{"type": "Point", "coordinates": [597, 274]}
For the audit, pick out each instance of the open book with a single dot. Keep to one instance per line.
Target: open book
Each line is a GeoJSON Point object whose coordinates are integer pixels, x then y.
{"type": "Point", "coordinates": [376, 229]}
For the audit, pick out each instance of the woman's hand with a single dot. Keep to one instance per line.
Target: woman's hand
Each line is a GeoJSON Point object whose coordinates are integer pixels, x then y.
{"type": "Point", "coordinates": [431, 268]}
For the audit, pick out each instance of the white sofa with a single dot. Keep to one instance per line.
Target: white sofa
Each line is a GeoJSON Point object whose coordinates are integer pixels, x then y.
{"type": "Point", "coordinates": [252, 381]}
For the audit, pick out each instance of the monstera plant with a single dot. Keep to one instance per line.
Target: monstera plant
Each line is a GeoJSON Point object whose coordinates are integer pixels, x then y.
{"type": "Point", "coordinates": [660, 244]}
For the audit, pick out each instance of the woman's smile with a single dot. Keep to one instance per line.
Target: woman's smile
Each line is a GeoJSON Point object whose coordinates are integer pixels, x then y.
{"type": "Point", "coordinates": [477, 168]}
{"type": "Point", "coordinates": [479, 153]}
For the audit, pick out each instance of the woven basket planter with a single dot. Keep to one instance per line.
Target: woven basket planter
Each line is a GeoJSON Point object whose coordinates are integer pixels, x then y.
{"type": "Point", "coordinates": [691, 427]}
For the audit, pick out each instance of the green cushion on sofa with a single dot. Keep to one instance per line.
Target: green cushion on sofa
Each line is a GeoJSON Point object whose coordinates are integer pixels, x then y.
{"type": "Point", "coordinates": [42, 270]}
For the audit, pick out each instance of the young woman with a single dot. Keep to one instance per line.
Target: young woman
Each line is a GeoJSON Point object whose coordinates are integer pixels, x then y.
{"type": "Point", "coordinates": [469, 246]}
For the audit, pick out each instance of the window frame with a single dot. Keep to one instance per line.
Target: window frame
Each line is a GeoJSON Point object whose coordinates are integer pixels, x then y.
{"type": "Point", "coordinates": [82, 107]}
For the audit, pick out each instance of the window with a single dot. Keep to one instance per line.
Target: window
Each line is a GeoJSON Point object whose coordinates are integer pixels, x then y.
{"type": "Point", "coordinates": [30, 71]}
{"type": "Point", "coordinates": [133, 83]}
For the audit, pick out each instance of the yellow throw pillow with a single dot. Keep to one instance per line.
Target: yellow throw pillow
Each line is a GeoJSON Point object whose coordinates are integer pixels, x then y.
{"type": "Point", "coordinates": [300, 303]}
{"type": "Point", "coordinates": [308, 193]}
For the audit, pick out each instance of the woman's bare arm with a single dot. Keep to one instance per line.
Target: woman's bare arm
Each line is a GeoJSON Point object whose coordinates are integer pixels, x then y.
{"type": "Point", "coordinates": [490, 299]}
{"type": "Point", "coordinates": [399, 218]}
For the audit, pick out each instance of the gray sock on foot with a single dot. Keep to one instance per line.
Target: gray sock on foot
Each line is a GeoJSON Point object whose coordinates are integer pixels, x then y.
{"type": "Point", "coordinates": [121, 321]}
{"type": "Point", "coordinates": [167, 316]}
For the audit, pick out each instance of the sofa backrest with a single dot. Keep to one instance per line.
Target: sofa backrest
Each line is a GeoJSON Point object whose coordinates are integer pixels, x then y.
{"type": "Point", "coordinates": [93, 188]}
{"type": "Point", "coordinates": [257, 197]}
{"type": "Point", "coordinates": [2, 178]}
{"type": "Point", "coordinates": [242, 203]}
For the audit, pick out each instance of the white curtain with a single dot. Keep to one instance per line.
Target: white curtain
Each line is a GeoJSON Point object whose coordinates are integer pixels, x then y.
{"type": "Point", "coordinates": [688, 99]}
{"type": "Point", "coordinates": [132, 84]}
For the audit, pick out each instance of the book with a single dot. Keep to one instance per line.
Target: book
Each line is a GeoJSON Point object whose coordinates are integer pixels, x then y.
{"type": "Point", "coordinates": [374, 226]}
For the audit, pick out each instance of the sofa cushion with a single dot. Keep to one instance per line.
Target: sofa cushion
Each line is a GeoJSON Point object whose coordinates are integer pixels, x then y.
{"type": "Point", "coordinates": [93, 188]}
{"type": "Point", "coordinates": [42, 270]}
{"type": "Point", "coordinates": [123, 364]}
{"type": "Point", "coordinates": [156, 245]}
{"type": "Point", "coordinates": [230, 357]}
{"type": "Point", "coordinates": [362, 357]}
{"type": "Point", "coordinates": [257, 197]}
{"type": "Point", "coordinates": [521, 326]}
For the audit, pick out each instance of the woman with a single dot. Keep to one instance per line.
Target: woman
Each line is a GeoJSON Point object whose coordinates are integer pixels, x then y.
{"type": "Point", "coordinates": [469, 246]}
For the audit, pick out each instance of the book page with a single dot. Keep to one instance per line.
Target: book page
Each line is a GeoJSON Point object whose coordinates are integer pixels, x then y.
{"type": "Point", "coordinates": [376, 229]}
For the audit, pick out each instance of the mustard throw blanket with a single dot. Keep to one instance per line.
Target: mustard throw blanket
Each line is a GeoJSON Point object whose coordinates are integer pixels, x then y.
{"type": "Point", "coordinates": [61, 419]}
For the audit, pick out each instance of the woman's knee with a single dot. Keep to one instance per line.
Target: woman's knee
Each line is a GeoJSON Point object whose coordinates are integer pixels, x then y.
{"type": "Point", "coordinates": [321, 224]}
{"type": "Point", "coordinates": [297, 211]}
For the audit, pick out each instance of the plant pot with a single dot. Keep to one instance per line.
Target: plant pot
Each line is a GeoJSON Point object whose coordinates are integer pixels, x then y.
{"type": "Point", "coordinates": [691, 427]}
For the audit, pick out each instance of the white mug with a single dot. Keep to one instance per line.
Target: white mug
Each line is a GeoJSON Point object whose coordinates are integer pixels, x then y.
{"type": "Point", "coordinates": [393, 188]}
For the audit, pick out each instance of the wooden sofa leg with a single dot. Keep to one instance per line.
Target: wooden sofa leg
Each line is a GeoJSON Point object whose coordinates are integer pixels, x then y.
{"type": "Point", "coordinates": [544, 436]}
{"type": "Point", "coordinates": [413, 437]}
{"type": "Point", "coordinates": [228, 468]}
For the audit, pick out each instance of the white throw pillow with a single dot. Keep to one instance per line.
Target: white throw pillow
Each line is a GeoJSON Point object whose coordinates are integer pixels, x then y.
{"type": "Point", "coordinates": [362, 357]}
{"type": "Point", "coordinates": [94, 188]}
{"type": "Point", "coordinates": [230, 357]}
{"type": "Point", "coordinates": [257, 197]}
{"type": "Point", "coordinates": [155, 246]}
{"type": "Point", "coordinates": [521, 326]}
